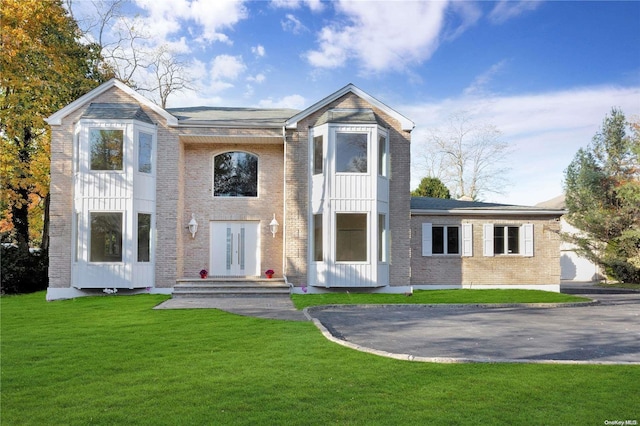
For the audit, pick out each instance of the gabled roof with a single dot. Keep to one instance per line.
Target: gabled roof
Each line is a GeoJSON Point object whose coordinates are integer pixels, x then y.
{"type": "Point", "coordinates": [232, 117]}
{"type": "Point", "coordinates": [406, 124]}
{"type": "Point", "coordinates": [441, 206]}
{"type": "Point", "coordinates": [56, 118]}
{"type": "Point", "coordinates": [111, 111]}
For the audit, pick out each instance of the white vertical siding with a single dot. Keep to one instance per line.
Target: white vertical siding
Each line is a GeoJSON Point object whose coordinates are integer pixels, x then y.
{"type": "Point", "coordinates": [333, 193]}
{"type": "Point", "coordinates": [125, 191]}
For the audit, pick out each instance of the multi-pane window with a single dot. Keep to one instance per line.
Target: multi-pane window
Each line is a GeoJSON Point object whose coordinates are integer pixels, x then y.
{"type": "Point", "coordinates": [318, 150]}
{"type": "Point", "coordinates": [351, 152]}
{"type": "Point", "coordinates": [506, 239]}
{"type": "Point", "coordinates": [445, 239]}
{"type": "Point", "coordinates": [106, 237]}
{"type": "Point", "coordinates": [317, 238]}
{"type": "Point", "coordinates": [235, 174]}
{"type": "Point", "coordinates": [106, 149]}
{"type": "Point", "coordinates": [145, 149]}
{"type": "Point", "coordinates": [144, 237]}
{"type": "Point", "coordinates": [351, 237]}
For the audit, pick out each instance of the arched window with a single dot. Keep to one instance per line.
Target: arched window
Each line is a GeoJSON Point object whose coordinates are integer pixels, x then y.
{"type": "Point", "coordinates": [235, 174]}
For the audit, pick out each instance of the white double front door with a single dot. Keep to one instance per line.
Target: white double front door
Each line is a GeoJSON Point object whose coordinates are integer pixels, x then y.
{"type": "Point", "coordinates": [235, 249]}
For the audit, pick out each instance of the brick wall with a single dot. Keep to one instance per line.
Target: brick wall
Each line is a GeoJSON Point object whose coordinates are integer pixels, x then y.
{"type": "Point", "coordinates": [61, 190]}
{"type": "Point", "coordinates": [198, 199]}
{"type": "Point", "coordinates": [542, 268]}
{"type": "Point", "coordinates": [297, 177]}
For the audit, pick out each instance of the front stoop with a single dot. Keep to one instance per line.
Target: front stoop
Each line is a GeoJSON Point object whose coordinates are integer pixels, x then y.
{"type": "Point", "coordinates": [229, 287]}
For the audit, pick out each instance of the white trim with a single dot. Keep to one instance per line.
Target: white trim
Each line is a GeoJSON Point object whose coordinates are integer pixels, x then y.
{"type": "Point", "coordinates": [406, 289]}
{"type": "Point", "coordinates": [544, 287]}
{"type": "Point", "coordinates": [484, 212]}
{"type": "Point", "coordinates": [405, 123]}
{"type": "Point", "coordinates": [55, 293]}
{"type": "Point", "coordinates": [487, 239]}
{"type": "Point", "coordinates": [427, 239]}
{"type": "Point", "coordinates": [527, 239]}
{"type": "Point", "coordinates": [56, 118]}
{"type": "Point", "coordinates": [467, 240]}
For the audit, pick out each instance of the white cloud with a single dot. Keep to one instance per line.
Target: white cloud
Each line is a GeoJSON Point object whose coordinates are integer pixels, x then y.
{"type": "Point", "coordinates": [291, 101]}
{"type": "Point", "coordinates": [215, 16]}
{"type": "Point", "coordinates": [380, 35]}
{"type": "Point", "coordinates": [508, 9]}
{"type": "Point", "coordinates": [258, 50]}
{"type": "Point", "coordinates": [209, 18]}
{"type": "Point", "coordinates": [293, 24]}
{"type": "Point", "coordinates": [227, 67]}
{"type": "Point", "coordinates": [313, 5]}
{"type": "Point", "coordinates": [480, 84]}
{"type": "Point", "coordinates": [258, 78]}
{"type": "Point", "coordinates": [545, 131]}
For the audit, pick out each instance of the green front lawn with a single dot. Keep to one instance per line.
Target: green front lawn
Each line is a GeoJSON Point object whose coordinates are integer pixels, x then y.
{"type": "Point", "coordinates": [114, 361]}
{"type": "Point", "coordinates": [302, 301]}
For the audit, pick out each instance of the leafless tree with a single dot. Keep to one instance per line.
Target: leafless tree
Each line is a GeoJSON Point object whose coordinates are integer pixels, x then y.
{"type": "Point", "coordinates": [467, 156]}
{"type": "Point", "coordinates": [169, 75]}
{"type": "Point", "coordinates": [129, 53]}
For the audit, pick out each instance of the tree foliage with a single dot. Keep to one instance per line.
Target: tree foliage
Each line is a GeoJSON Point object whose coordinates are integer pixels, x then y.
{"type": "Point", "coordinates": [602, 189]}
{"type": "Point", "coordinates": [44, 68]}
{"type": "Point", "coordinates": [431, 187]}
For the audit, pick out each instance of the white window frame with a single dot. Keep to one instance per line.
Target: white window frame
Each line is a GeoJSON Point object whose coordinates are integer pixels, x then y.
{"type": "Point", "coordinates": [465, 239]}
{"type": "Point", "coordinates": [525, 240]}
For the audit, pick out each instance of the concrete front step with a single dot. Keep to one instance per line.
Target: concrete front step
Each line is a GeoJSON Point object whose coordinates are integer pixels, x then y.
{"type": "Point", "coordinates": [235, 287]}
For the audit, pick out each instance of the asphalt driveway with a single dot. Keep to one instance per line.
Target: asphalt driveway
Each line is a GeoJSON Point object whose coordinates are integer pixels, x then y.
{"type": "Point", "coordinates": [606, 332]}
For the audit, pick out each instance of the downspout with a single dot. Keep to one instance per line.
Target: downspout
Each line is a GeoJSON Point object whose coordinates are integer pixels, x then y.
{"type": "Point", "coordinates": [284, 208]}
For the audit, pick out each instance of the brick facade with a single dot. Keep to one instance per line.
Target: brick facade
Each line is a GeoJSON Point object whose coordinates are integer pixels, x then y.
{"type": "Point", "coordinates": [455, 270]}
{"type": "Point", "coordinates": [184, 185]}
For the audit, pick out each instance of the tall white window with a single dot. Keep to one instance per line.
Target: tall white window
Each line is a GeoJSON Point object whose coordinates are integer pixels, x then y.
{"type": "Point", "coordinates": [106, 149]}
{"type": "Point", "coordinates": [145, 151]}
{"type": "Point", "coordinates": [317, 238]}
{"type": "Point", "coordinates": [144, 237]}
{"type": "Point", "coordinates": [351, 237]}
{"type": "Point", "coordinates": [318, 151]}
{"type": "Point", "coordinates": [106, 237]}
{"type": "Point", "coordinates": [383, 156]}
{"type": "Point", "coordinates": [351, 152]}
{"type": "Point", "coordinates": [383, 247]}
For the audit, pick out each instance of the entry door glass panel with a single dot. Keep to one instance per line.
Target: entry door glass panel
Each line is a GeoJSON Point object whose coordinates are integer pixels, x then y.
{"type": "Point", "coordinates": [234, 248]}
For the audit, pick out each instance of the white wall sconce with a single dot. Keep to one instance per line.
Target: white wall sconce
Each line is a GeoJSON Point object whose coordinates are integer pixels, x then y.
{"type": "Point", "coordinates": [273, 226]}
{"type": "Point", "coordinates": [193, 225]}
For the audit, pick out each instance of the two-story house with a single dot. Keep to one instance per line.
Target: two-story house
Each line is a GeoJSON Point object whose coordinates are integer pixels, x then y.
{"type": "Point", "coordinates": [144, 198]}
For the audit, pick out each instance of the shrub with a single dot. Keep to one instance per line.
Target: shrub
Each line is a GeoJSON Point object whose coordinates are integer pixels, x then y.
{"type": "Point", "coordinates": [23, 272]}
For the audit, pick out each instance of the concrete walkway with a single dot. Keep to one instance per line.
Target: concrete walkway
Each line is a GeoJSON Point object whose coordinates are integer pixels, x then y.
{"type": "Point", "coordinates": [272, 307]}
{"type": "Point", "coordinates": [606, 332]}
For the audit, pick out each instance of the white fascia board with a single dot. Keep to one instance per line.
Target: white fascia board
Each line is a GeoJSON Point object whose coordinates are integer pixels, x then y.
{"type": "Point", "coordinates": [482, 212]}
{"type": "Point", "coordinates": [56, 118]}
{"type": "Point", "coordinates": [405, 123]}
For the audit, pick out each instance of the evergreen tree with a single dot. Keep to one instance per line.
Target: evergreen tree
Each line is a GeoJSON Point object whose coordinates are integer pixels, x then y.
{"type": "Point", "coordinates": [602, 188]}
{"type": "Point", "coordinates": [431, 187]}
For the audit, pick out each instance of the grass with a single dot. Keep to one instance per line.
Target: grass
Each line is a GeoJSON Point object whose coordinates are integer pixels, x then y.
{"type": "Point", "coordinates": [113, 360]}
{"type": "Point", "coordinates": [302, 301]}
{"type": "Point", "coordinates": [630, 286]}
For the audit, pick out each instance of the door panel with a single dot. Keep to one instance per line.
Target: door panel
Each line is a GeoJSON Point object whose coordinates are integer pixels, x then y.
{"type": "Point", "coordinates": [234, 249]}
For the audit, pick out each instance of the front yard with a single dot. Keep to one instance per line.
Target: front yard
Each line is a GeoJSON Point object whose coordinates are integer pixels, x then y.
{"type": "Point", "coordinates": [114, 360]}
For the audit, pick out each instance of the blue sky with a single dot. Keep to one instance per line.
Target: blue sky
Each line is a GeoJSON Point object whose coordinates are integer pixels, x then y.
{"type": "Point", "coordinates": [545, 73]}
